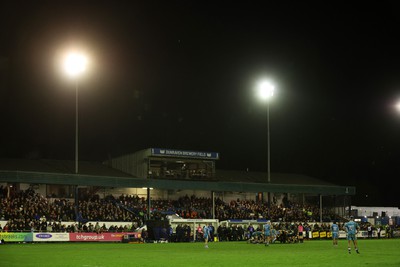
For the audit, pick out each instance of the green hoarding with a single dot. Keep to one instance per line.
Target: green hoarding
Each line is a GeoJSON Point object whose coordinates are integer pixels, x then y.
{"type": "Point", "coordinates": [16, 237]}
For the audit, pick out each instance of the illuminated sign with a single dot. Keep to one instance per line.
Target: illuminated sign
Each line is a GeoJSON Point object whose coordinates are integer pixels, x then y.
{"type": "Point", "coordinates": [163, 152]}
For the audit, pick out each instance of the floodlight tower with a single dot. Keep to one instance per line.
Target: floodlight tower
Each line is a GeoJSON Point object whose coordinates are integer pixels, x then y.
{"type": "Point", "coordinates": [266, 91]}
{"type": "Point", "coordinates": [74, 65]}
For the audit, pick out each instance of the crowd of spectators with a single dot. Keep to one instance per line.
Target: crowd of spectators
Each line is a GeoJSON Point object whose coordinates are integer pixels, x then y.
{"type": "Point", "coordinates": [26, 210]}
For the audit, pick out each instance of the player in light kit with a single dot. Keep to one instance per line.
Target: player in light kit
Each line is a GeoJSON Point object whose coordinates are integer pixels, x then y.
{"type": "Point", "coordinates": [335, 233]}
{"type": "Point", "coordinates": [267, 233]}
{"type": "Point", "coordinates": [206, 235]}
{"type": "Point", "coordinates": [351, 228]}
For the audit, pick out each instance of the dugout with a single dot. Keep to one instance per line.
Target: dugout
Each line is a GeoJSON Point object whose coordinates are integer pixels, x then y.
{"type": "Point", "coordinates": [194, 224]}
{"type": "Point", "coordinates": [244, 223]}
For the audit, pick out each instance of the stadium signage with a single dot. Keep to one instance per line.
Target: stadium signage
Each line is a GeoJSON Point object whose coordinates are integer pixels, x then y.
{"type": "Point", "coordinates": [93, 237]}
{"type": "Point", "coordinates": [184, 153]}
{"type": "Point", "coordinates": [248, 221]}
{"type": "Point", "coordinates": [43, 237]}
{"type": "Point", "coordinates": [16, 237]}
{"type": "Point", "coordinates": [89, 237]}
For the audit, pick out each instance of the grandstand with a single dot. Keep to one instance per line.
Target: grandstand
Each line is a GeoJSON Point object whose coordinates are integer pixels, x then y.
{"type": "Point", "coordinates": [169, 174]}
{"type": "Point", "coordinates": [167, 190]}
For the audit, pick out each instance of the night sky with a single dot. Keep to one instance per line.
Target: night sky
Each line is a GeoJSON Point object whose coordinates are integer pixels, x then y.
{"type": "Point", "coordinates": [182, 75]}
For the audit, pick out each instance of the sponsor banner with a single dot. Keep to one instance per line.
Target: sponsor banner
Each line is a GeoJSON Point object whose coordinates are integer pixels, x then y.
{"type": "Point", "coordinates": [396, 233]}
{"type": "Point", "coordinates": [183, 153]}
{"type": "Point", "coordinates": [193, 220]}
{"type": "Point", "coordinates": [321, 234]}
{"type": "Point", "coordinates": [16, 237]}
{"type": "Point", "coordinates": [248, 221]}
{"type": "Point", "coordinates": [315, 234]}
{"type": "Point", "coordinates": [362, 234]}
{"type": "Point", "coordinates": [103, 237]}
{"type": "Point", "coordinates": [329, 234]}
{"type": "Point", "coordinates": [50, 237]}
{"type": "Point", "coordinates": [342, 234]}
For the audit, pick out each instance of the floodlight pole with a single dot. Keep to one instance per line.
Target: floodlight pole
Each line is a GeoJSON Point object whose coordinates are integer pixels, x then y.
{"type": "Point", "coordinates": [76, 146]}
{"type": "Point", "coordinates": [268, 149]}
{"type": "Point", "coordinates": [75, 64]}
{"type": "Point", "coordinates": [76, 127]}
{"type": "Point", "coordinates": [268, 161]}
{"type": "Point", "coordinates": [266, 91]}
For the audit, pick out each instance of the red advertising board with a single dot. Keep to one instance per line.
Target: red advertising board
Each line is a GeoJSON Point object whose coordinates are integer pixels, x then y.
{"type": "Point", "coordinates": [103, 237]}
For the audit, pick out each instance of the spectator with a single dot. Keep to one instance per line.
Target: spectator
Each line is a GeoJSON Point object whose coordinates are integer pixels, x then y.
{"type": "Point", "coordinates": [369, 229]}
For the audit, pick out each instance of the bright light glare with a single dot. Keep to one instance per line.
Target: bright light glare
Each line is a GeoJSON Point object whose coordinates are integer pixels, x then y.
{"type": "Point", "coordinates": [75, 64]}
{"type": "Point", "coordinates": [398, 106]}
{"type": "Point", "coordinates": [266, 90]}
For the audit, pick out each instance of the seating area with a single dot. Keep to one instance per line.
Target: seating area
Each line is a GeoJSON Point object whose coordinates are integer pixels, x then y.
{"type": "Point", "coordinates": [26, 210]}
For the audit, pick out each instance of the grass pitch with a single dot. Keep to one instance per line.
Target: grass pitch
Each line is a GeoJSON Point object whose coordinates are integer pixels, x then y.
{"type": "Point", "coordinates": [382, 252]}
